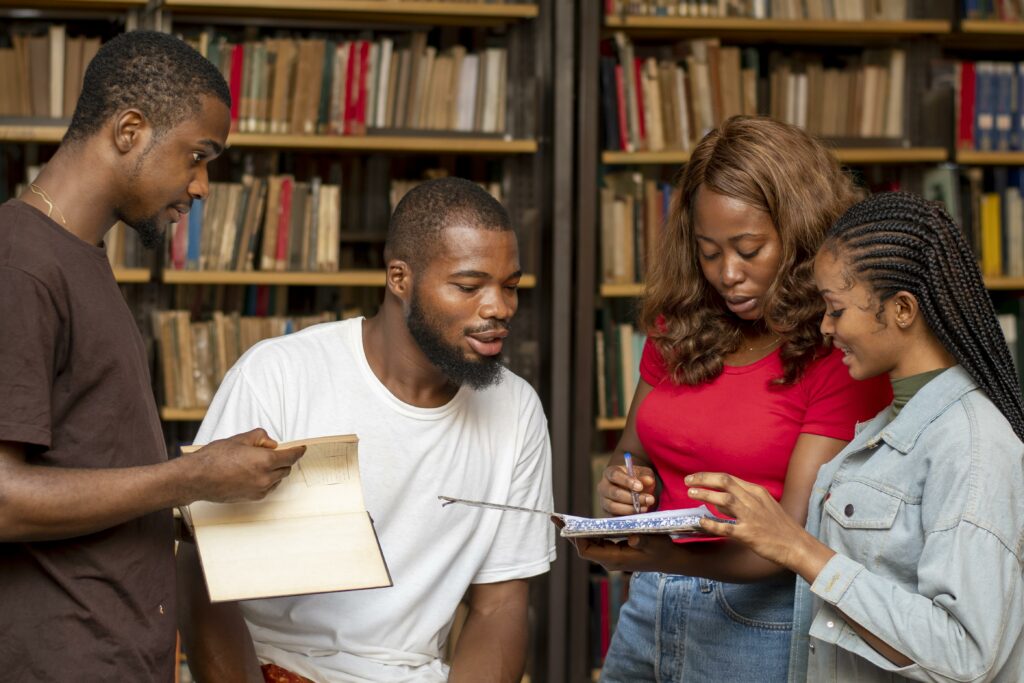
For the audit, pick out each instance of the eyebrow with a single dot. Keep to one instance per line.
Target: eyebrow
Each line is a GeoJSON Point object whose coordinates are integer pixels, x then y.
{"type": "Point", "coordinates": [736, 238]}
{"type": "Point", "coordinates": [481, 274]}
{"type": "Point", "coordinates": [213, 145]}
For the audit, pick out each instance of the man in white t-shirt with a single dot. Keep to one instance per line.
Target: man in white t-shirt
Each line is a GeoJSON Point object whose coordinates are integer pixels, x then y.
{"type": "Point", "coordinates": [436, 414]}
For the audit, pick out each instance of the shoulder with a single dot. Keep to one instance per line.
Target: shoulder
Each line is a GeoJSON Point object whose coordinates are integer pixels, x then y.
{"type": "Point", "coordinates": [296, 351]}
{"type": "Point", "coordinates": [513, 401]}
{"type": "Point", "coordinates": [25, 243]}
{"type": "Point", "coordinates": [971, 446]}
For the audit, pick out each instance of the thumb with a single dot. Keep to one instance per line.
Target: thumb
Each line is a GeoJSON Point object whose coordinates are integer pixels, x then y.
{"type": "Point", "coordinates": [288, 456]}
{"type": "Point", "coordinates": [257, 437]}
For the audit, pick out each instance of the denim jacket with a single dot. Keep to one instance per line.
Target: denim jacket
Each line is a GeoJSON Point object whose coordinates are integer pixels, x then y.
{"type": "Point", "coordinates": [926, 515]}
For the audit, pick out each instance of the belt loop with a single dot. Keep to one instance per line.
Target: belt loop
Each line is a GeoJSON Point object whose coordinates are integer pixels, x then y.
{"type": "Point", "coordinates": [706, 585]}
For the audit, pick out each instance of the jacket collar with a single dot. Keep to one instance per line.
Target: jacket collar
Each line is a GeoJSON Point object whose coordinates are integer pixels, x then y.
{"type": "Point", "coordinates": [931, 401]}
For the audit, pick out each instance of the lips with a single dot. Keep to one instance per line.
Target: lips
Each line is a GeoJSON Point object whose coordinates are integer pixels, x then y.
{"type": "Point", "coordinates": [179, 211]}
{"type": "Point", "coordinates": [741, 304]}
{"type": "Point", "coordinates": [488, 343]}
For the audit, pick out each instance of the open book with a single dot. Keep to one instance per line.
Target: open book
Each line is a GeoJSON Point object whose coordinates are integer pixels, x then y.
{"type": "Point", "coordinates": [312, 534]}
{"type": "Point", "coordinates": [676, 523]}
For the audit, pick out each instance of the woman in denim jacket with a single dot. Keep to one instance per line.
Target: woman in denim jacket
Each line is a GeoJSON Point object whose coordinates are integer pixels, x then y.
{"type": "Point", "coordinates": [911, 565]}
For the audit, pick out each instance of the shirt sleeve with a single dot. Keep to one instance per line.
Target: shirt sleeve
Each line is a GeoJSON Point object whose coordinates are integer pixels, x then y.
{"type": "Point", "coordinates": [964, 632]}
{"type": "Point", "coordinates": [524, 544]}
{"type": "Point", "coordinates": [836, 402]}
{"type": "Point", "coordinates": [29, 348]}
{"type": "Point", "coordinates": [652, 364]}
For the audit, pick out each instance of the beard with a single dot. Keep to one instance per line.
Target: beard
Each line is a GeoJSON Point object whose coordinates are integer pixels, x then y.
{"type": "Point", "coordinates": [148, 229]}
{"type": "Point", "coordinates": [449, 359]}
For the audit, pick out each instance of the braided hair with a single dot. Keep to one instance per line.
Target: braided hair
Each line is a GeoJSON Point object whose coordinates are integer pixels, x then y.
{"type": "Point", "coordinates": [898, 241]}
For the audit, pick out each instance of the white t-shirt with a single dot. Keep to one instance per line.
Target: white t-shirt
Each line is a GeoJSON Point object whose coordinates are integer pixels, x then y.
{"type": "Point", "coordinates": [483, 445]}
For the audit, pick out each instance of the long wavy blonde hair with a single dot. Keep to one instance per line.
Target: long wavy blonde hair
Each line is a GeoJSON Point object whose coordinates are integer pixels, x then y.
{"type": "Point", "coordinates": [775, 168]}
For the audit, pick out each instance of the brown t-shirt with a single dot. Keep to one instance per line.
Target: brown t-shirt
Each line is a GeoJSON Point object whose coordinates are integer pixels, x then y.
{"type": "Point", "coordinates": [75, 389]}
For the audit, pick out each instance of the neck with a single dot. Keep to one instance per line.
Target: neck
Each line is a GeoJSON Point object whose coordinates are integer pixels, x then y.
{"type": "Point", "coordinates": [81, 195]}
{"type": "Point", "coordinates": [925, 354]}
{"type": "Point", "coordinates": [397, 361]}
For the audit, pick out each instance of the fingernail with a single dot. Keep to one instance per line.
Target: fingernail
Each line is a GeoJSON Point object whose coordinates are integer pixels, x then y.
{"type": "Point", "coordinates": [689, 478]}
{"type": "Point", "coordinates": [691, 492]}
{"type": "Point", "coordinates": [637, 486]}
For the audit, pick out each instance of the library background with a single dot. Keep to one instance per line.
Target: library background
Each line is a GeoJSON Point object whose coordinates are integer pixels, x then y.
{"type": "Point", "coordinates": [576, 115]}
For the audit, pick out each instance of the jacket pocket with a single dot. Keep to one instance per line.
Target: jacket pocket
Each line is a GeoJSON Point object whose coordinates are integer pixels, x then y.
{"type": "Point", "coordinates": [856, 505]}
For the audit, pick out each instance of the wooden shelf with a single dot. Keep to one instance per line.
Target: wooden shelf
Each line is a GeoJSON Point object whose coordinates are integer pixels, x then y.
{"type": "Point", "coordinates": [631, 289]}
{"type": "Point", "coordinates": [385, 11]}
{"type": "Point", "coordinates": [800, 29]}
{"type": "Point", "coordinates": [344, 278]}
{"type": "Point", "coordinates": [847, 155]}
{"type": "Point", "coordinates": [1005, 283]}
{"type": "Point", "coordinates": [75, 4]}
{"type": "Point", "coordinates": [169, 414]}
{"type": "Point", "coordinates": [132, 275]}
{"type": "Point", "coordinates": [978, 158]}
{"type": "Point", "coordinates": [992, 27]}
{"type": "Point", "coordinates": [606, 424]}
{"type": "Point", "coordinates": [440, 143]}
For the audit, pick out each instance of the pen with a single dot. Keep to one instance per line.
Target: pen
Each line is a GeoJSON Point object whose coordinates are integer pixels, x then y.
{"type": "Point", "coordinates": [628, 457]}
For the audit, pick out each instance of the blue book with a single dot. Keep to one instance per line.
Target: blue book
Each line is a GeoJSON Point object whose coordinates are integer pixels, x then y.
{"type": "Point", "coordinates": [195, 234]}
{"type": "Point", "coordinates": [1005, 76]}
{"type": "Point", "coordinates": [984, 106]}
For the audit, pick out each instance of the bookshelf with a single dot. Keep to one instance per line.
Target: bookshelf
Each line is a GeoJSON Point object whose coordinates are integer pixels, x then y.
{"type": "Point", "coordinates": [519, 159]}
{"type": "Point", "coordinates": [908, 158]}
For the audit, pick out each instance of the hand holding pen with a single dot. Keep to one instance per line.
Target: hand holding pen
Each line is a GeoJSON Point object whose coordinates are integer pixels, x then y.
{"type": "Point", "coordinates": [627, 488]}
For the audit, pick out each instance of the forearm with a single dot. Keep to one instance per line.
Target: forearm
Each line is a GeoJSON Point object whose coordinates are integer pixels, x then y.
{"type": "Point", "coordinates": [724, 560]}
{"type": "Point", "coordinates": [47, 503]}
{"type": "Point", "coordinates": [491, 647]}
{"type": "Point", "coordinates": [214, 636]}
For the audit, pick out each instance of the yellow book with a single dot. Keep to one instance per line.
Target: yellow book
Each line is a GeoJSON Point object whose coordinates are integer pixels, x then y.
{"type": "Point", "coordinates": [991, 236]}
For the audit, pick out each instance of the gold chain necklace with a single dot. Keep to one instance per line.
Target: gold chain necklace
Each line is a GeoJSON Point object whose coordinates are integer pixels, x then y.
{"type": "Point", "coordinates": [50, 204]}
{"type": "Point", "coordinates": [766, 346]}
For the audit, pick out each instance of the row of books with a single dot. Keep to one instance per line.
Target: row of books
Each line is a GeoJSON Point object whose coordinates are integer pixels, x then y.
{"type": "Point", "coordinates": [195, 356]}
{"type": "Point", "coordinates": [669, 101]}
{"type": "Point", "coordinates": [273, 223]}
{"type": "Point", "coordinates": [617, 351]}
{"type": "Point", "coordinates": [990, 105]}
{"type": "Point", "coordinates": [858, 97]}
{"type": "Point", "coordinates": [346, 86]}
{"type": "Point", "coordinates": [841, 10]}
{"type": "Point", "coordinates": [42, 72]}
{"type": "Point", "coordinates": [989, 205]}
{"type": "Point", "coordinates": [608, 593]}
{"type": "Point", "coordinates": [633, 211]}
{"type": "Point", "coordinates": [1003, 10]}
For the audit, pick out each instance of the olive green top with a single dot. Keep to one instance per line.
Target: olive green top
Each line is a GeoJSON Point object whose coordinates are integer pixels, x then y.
{"type": "Point", "coordinates": [904, 389]}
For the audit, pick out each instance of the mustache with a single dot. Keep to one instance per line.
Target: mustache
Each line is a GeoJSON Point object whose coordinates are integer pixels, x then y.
{"type": "Point", "coordinates": [496, 325]}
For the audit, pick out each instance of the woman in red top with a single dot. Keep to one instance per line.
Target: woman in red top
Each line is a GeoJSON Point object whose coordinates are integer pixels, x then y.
{"type": "Point", "coordinates": [735, 377]}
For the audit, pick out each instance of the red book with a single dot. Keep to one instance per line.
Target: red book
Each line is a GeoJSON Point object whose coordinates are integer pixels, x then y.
{"type": "Point", "coordinates": [284, 214]}
{"type": "Point", "coordinates": [178, 242]}
{"type": "Point", "coordinates": [364, 65]}
{"type": "Point", "coordinates": [262, 301]}
{"type": "Point", "coordinates": [965, 119]}
{"type": "Point", "coordinates": [638, 80]}
{"type": "Point", "coordinates": [606, 609]}
{"type": "Point", "coordinates": [237, 61]}
{"type": "Point", "coordinates": [351, 86]}
{"type": "Point", "coordinates": [620, 104]}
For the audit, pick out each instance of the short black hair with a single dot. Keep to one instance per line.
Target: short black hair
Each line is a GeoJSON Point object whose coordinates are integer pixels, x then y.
{"type": "Point", "coordinates": [155, 72]}
{"type": "Point", "coordinates": [429, 208]}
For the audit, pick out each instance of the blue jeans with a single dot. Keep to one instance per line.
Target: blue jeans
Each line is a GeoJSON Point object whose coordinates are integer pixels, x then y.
{"type": "Point", "coordinates": [683, 629]}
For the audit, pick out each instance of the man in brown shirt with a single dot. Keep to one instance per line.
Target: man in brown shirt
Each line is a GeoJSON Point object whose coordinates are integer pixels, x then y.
{"type": "Point", "coordinates": [86, 542]}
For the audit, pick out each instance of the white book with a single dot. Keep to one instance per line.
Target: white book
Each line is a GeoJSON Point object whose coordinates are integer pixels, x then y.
{"type": "Point", "coordinates": [312, 534]}
{"type": "Point", "coordinates": [894, 106]}
{"type": "Point", "coordinates": [492, 89]}
{"type": "Point", "coordinates": [58, 37]}
{"type": "Point", "coordinates": [466, 97]}
{"type": "Point", "coordinates": [387, 48]}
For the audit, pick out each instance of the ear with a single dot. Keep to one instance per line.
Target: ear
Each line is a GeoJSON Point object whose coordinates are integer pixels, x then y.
{"type": "Point", "coordinates": [398, 279]}
{"type": "Point", "coordinates": [904, 309]}
{"type": "Point", "coordinates": [131, 130]}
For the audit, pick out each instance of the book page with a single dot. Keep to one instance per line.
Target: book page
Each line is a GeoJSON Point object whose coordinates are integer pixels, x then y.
{"type": "Point", "coordinates": [253, 560]}
{"type": "Point", "coordinates": [660, 522]}
{"type": "Point", "coordinates": [324, 481]}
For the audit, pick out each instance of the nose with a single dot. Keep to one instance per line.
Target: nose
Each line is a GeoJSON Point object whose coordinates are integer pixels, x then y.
{"type": "Point", "coordinates": [199, 188]}
{"type": "Point", "coordinates": [827, 326]}
{"type": "Point", "coordinates": [732, 271]}
{"type": "Point", "coordinates": [499, 304]}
